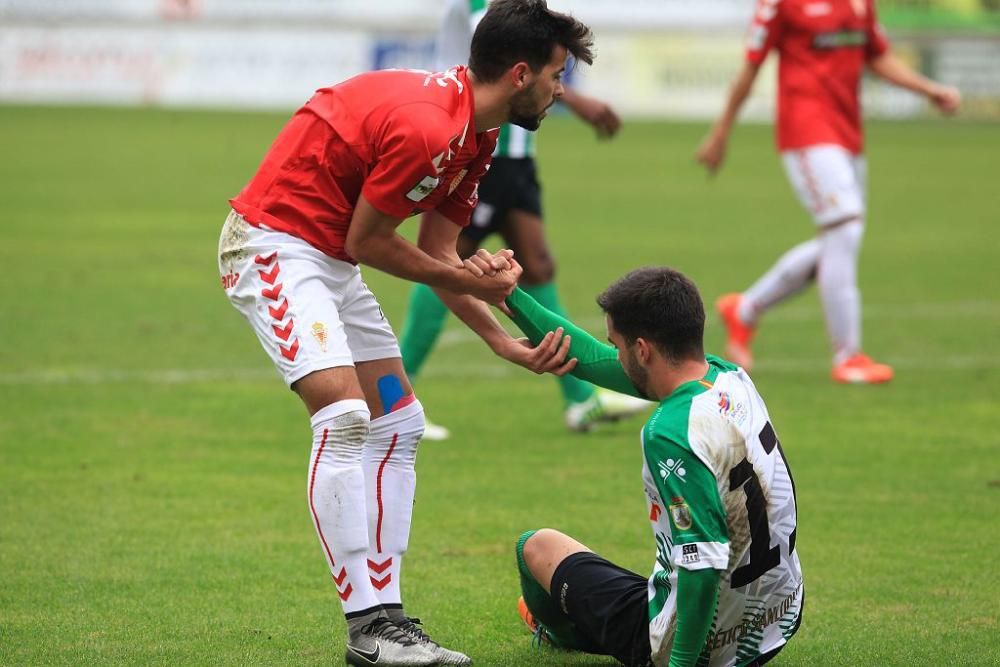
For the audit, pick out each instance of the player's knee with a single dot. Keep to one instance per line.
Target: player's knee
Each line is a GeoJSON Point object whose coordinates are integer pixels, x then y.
{"type": "Point", "coordinates": [851, 226]}
{"type": "Point", "coordinates": [536, 547]}
{"type": "Point", "coordinates": [392, 394]}
{"type": "Point", "coordinates": [342, 428]}
{"type": "Point", "coordinates": [842, 238]}
{"type": "Point", "coordinates": [411, 428]}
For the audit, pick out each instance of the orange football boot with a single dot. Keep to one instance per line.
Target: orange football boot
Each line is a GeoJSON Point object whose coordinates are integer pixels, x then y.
{"type": "Point", "coordinates": [738, 334]}
{"type": "Point", "coordinates": [860, 369]}
{"type": "Point", "coordinates": [526, 615]}
{"type": "Point", "coordinates": [541, 635]}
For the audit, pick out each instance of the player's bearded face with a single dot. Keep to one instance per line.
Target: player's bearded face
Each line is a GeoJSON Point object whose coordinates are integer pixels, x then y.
{"type": "Point", "coordinates": [526, 107]}
{"type": "Point", "coordinates": [637, 375]}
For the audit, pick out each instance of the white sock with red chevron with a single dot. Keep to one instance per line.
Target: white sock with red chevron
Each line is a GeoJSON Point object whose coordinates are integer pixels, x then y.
{"type": "Point", "coordinates": [391, 481]}
{"type": "Point", "coordinates": [336, 488]}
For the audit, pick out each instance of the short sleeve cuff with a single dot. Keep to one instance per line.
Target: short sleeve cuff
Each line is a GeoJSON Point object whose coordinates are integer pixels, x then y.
{"type": "Point", "coordinates": [879, 45]}
{"type": "Point", "coordinates": [460, 215]}
{"type": "Point", "coordinates": [701, 555]}
{"type": "Point", "coordinates": [385, 202]}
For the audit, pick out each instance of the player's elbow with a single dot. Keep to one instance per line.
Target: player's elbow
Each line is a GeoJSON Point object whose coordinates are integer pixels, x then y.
{"type": "Point", "coordinates": [362, 250]}
{"type": "Point", "coordinates": [353, 248]}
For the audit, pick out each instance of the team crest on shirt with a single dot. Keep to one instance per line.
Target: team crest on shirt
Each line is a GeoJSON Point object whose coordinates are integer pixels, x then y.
{"type": "Point", "coordinates": [680, 513]}
{"type": "Point", "coordinates": [320, 334]}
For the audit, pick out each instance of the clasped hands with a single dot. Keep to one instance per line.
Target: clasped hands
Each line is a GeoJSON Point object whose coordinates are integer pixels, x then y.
{"type": "Point", "coordinates": [550, 355]}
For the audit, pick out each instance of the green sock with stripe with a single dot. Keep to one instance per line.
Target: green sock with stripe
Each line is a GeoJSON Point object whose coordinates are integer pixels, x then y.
{"type": "Point", "coordinates": [573, 389]}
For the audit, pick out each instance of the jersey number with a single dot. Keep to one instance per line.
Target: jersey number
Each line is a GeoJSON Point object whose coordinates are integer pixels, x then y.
{"type": "Point", "coordinates": [763, 556]}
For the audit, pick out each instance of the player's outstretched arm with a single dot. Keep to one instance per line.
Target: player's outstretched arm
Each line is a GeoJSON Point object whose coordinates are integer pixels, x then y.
{"type": "Point", "coordinates": [438, 239]}
{"type": "Point", "coordinates": [593, 111]}
{"type": "Point", "coordinates": [889, 67]}
{"type": "Point", "coordinates": [597, 363]}
{"type": "Point", "coordinates": [712, 151]}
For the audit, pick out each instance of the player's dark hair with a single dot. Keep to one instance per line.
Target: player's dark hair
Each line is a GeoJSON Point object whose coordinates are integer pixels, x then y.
{"type": "Point", "coordinates": [514, 31]}
{"type": "Point", "coordinates": [660, 305]}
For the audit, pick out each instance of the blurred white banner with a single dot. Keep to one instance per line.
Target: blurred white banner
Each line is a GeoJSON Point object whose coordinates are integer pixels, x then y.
{"type": "Point", "coordinates": [391, 14]}
{"type": "Point", "coordinates": [657, 58]}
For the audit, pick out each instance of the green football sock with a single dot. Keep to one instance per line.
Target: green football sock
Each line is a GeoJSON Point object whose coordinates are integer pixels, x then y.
{"type": "Point", "coordinates": [573, 389]}
{"type": "Point", "coordinates": [424, 321]}
{"type": "Point", "coordinates": [560, 629]}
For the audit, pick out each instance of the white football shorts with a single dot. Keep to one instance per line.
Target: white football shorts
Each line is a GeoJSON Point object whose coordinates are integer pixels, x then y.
{"type": "Point", "coordinates": [309, 310]}
{"type": "Point", "coordinates": [829, 180]}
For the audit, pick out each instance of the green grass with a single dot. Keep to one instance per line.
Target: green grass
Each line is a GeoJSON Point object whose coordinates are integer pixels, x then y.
{"type": "Point", "coordinates": [154, 518]}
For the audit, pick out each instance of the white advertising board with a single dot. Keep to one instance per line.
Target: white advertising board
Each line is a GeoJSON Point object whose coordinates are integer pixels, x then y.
{"type": "Point", "coordinates": [170, 66]}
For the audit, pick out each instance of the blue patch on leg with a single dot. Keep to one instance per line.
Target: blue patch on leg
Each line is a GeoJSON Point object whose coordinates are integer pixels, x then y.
{"type": "Point", "coordinates": [390, 391]}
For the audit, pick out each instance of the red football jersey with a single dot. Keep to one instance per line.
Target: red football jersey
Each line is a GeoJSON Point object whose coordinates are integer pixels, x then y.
{"type": "Point", "coordinates": [404, 139]}
{"type": "Point", "coordinates": [823, 46]}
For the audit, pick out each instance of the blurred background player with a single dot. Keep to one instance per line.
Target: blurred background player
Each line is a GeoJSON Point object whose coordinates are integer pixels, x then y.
{"type": "Point", "coordinates": [343, 174]}
{"type": "Point", "coordinates": [823, 46]}
{"type": "Point", "coordinates": [510, 205]}
{"type": "Point", "coordinates": [726, 587]}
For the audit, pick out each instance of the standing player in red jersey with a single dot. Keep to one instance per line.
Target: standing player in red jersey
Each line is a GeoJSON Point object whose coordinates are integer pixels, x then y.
{"type": "Point", "coordinates": [342, 175]}
{"type": "Point", "coordinates": [823, 46]}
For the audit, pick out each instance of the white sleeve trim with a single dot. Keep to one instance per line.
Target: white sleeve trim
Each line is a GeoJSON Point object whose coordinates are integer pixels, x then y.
{"type": "Point", "coordinates": [701, 555]}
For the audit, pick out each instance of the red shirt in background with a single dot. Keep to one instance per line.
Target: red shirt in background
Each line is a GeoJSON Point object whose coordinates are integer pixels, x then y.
{"type": "Point", "coordinates": [823, 46]}
{"type": "Point", "coordinates": [404, 139]}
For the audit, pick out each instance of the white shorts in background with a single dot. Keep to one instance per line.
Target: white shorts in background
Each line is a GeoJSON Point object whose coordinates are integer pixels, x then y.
{"type": "Point", "coordinates": [829, 180]}
{"type": "Point", "coordinates": [309, 310]}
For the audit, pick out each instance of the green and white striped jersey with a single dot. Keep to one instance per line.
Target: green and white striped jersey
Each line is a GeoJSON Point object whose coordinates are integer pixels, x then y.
{"type": "Point", "coordinates": [452, 48]}
{"type": "Point", "coordinates": [720, 495]}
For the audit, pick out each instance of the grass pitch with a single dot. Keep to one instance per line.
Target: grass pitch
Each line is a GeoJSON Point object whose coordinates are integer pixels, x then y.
{"type": "Point", "coordinates": [153, 467]}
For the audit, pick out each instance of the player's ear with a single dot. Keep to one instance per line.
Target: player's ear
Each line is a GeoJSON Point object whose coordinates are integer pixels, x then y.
{"type": "Point", "coordinates": [520, 75]}
{"type": "Point", "coordinates": [643, 350]}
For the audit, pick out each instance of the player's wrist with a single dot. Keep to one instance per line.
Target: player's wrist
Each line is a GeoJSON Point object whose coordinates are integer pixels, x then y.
{"type": "Point", "coordinates": [499, 342]}
{"type": "Point", "coordinates": [933, 90]}
{"type": "Point", "coordinates": [457, 279]}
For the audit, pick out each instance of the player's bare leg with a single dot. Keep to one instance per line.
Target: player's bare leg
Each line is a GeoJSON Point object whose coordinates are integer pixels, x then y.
{"type": "Point", "coordinates": [543, 552]}
{"type": "Point", "coordinates": [539, 553]}
{"type": "Point", "coordinates": [840, 247]}
{"type": "Point", "coordinates": [524, 233]}
{"type": "Point", "coordinates": [341, 422]}
{"type": "Point", "coordinates": [389, 460]}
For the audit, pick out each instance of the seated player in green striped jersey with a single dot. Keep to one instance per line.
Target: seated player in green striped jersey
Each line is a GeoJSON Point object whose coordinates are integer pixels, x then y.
{"type": "Point", "coordinates": [510, 204]}
{"type": "Point", "coordinates": [726, 586]}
